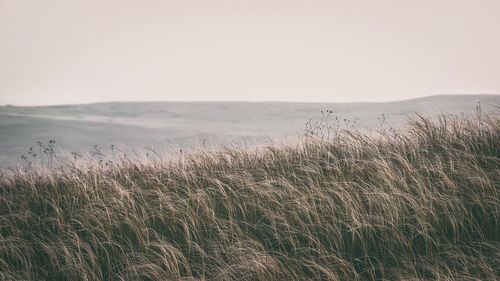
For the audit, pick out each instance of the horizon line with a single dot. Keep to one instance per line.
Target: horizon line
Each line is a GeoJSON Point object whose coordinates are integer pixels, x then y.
{"type": "Point", "coordinates": [249, 101]}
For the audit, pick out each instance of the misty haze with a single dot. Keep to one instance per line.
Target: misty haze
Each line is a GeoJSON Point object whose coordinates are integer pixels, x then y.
{"type": "Point", "coordinates": [269, 140]}
{"type": "Point", "coordinates": [168, 127]}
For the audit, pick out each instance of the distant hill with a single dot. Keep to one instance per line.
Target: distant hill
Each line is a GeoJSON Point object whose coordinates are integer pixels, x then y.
{"type": "Point", "coordinates": [170, 126]}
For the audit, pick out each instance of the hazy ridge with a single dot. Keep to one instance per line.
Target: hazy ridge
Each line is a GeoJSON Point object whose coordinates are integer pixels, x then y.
{"type": "Point", "coordinates": [170, 126]}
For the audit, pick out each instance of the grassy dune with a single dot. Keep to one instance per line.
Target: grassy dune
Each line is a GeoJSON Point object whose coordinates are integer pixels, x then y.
{"type": "Point", "coordinates": [418, 205]}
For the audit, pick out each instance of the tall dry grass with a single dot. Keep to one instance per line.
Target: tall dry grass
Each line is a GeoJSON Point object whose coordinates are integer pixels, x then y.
{"type": "Point", "coordinates": [418, 205]}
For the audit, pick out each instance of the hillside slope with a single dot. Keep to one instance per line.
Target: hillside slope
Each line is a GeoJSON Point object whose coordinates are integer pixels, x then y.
{"type": "Point", "coordinates": [170, 126]}
{"type": "Point", "coordinates": [418, 205]}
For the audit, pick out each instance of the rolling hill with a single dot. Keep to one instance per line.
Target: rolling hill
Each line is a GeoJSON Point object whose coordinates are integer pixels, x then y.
{"type": "Point", "coordinates": [168, 127]}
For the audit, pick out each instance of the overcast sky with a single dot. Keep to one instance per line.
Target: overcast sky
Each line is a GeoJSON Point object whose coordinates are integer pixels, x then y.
{"type": "Point", "coordinates": [79, 51]}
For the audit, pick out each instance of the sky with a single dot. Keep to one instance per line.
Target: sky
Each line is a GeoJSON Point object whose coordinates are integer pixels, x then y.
{"type": "Point", "coordinates": [83, 51]}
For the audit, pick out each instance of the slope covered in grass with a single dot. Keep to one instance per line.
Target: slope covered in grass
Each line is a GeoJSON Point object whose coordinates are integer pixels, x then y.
{"type": "Point", "coordinates": [170, 126]}
{"type": "Point", "coordinates": [419, 205]}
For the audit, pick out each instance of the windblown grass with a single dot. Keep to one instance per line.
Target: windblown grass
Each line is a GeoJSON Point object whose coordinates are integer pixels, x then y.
{"type": "Point", "coordinates": [418, 205]}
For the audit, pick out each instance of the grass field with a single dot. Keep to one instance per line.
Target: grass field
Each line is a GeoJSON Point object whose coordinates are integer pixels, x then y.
{"type": "Point", "coordinates": [422, 204]}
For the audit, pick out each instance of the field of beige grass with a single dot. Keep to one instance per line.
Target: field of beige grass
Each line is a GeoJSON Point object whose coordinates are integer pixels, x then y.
{"type": "Point", "coordinates": [416, 204]}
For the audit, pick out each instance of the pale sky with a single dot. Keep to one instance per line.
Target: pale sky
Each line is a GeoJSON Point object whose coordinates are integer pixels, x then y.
{"type": "Point", "coordinates": [80, 51]}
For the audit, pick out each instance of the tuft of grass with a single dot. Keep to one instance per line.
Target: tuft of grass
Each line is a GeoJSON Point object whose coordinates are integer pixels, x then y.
{"type": "Point", "coordinates": [416, 205]}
